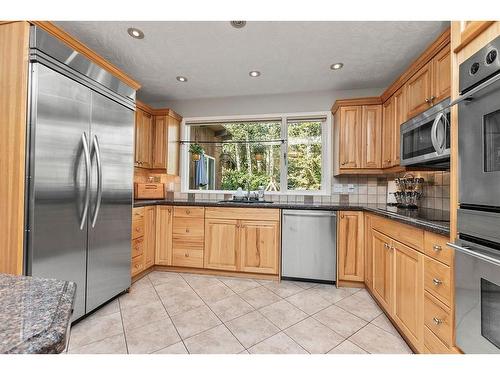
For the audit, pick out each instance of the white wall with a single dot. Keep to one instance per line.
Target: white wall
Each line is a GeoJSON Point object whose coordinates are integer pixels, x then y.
{"type": "Point", "coordinates": [261, 104]}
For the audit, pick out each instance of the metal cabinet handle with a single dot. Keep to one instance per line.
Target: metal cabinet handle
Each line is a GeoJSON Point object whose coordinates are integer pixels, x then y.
{"type": "Point", "coordinates": [437, 248]}
{"type": "Point", "coordinates": [187, 230]}
{"type": "Point", "coordinates": [437, 321]}
{"type": "Point", "coordinates": [99, 180]}
{"type": "Point", "coordinates": [188, 212]}
{"type": "Point", "coordinates": [186, 255]}
{"type": "Point", "coordinates": [87, 179]}
{"type": "Point", "coordinates": [432, 98]}
{"type": "Point", "coordinates": [436, 282]}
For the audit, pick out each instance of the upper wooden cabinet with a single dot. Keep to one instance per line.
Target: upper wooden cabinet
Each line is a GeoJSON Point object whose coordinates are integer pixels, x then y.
{"type": "Point", "coordinates": [441, 75]}
{"type": "Point", "coordinates": [160, 142]}
{"type": "Point", "coordinates": [388, 133]}
{"type": "Point", "coordinates": [173, 136]}
{"type": "Point", "coordinates": [350, 257]}
{"type": "Point", "coordinates": [357, 135]}
{"type": "Point", "coordinates": [400, 116]}
{"type": "Point", "coordinates": [143, 139]}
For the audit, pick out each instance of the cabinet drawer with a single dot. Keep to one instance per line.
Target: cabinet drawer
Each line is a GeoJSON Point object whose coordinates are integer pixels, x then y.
{"type": "Point", "coordinates": [137, 228]}
{"type": "Point", "coordinates": [188, 257]}
{"type": "Point", "coordinates": [435, 247]}
{"type": "Point", "coordinates": [437, 318]}
{"type": "Point", "coordinates": [137, 247]}
{"type": "Point", "coordinates": [433, 345]}
{"type": "Point", "coordinates": [237, 213]}
{"type": "Point", "coordinates": [189, 212]}
{"type": "Point", "coordinates": [403, 233]}
{"type": "Point", "coordinates": [437, 280]}
{"type": "Point", "coordinates": [137, 265]}
{"type": "Point", "coordinates": [188, 229]}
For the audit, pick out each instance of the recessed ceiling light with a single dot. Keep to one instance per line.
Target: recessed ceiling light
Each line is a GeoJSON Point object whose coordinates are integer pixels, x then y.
{"type": "Point", "coordinates": [238, 24]}
{"type": "Point", "coordinates": [336, 66]}
{"type": "Point", "coordinates": [181, 79]}
{"type": "Point", "coordinates": [135, 33]}
{"type": "Point", "coordinates": [254, 73]}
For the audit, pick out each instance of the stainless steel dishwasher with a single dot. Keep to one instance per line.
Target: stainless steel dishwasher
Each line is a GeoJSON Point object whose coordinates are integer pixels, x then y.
{"type": "Point", "coordinates": [308, 245]}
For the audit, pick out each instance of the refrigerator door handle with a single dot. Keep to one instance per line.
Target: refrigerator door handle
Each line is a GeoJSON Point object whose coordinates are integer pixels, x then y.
{"type": "Point", "coordinates": [99, 179]}
{"type": "Point", "coordinates": [87, 179]}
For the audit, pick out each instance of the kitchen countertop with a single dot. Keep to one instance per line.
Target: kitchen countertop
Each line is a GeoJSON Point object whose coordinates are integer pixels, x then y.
{"type": "Point", "coordinates": [436, 221]}
{"type": "Point", "coordinates": [34, 314]}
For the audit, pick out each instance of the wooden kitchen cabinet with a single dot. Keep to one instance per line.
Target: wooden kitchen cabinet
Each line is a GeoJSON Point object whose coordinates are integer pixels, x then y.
{"type": "Point", "coordinates": [419, 91]}
{"type": "Point", "coordinates": [388, 133]}
{"type": "Point", "coordinates": [350, 249]}
{"type": "Point", "coordinates": [409, 293]}
{"type": "Point", "coordinates": [221, 244]}
{"type": "Point", "coordinates": [188, 237]}
{"type": "Point", "coordinates": [371, 136]}
{"type": "Point", "coordinates": [368, 252]}
{"type": "Point", "coordinates": [163, 240]}
{"type": "Point", "coordinates": [258, 244]}
{"type": "Point", "coordinates": [160, 142]}
{"type": "Point", "coordinates": [149, 236]}
{"type": "Point", "coordinates": [383, 257]}
{"type": "Point", "coordinates": [350, 137]}
{"type": "Point", "coordinates": [173, 145]}
{"type": "Point", "coordinates": [400, 113]}
{"type": "Point", "coordinates": [143, 139]}
{"type": "Point", "coordinates": [441, 75]}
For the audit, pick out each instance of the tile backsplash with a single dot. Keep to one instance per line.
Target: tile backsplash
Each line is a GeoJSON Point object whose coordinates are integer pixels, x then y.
{"type": "Point", "coordinates": [358, 190]}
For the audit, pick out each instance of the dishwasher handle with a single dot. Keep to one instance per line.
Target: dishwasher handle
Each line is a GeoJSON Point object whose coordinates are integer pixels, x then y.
{"type": "Point", "coordinates": [310, 214]}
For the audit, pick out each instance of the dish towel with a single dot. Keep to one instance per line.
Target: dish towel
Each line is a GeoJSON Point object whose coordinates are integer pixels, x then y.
{"type": "Point", "coordinates": [201, 178]}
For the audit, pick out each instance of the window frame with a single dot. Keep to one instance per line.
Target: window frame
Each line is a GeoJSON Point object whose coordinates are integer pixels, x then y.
{"type": "Point", "coordinates": [326, 150]}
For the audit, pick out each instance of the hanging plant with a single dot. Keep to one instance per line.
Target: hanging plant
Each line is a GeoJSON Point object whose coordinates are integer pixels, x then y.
{"type": "Point", "coordinates": [258, 151]}
{"type": "Point", "coordinates": [196, 150]}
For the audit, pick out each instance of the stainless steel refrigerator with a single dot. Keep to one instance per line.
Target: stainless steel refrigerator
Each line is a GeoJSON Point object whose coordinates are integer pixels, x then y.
{"type": "Point", "coordinates": [80, 173]}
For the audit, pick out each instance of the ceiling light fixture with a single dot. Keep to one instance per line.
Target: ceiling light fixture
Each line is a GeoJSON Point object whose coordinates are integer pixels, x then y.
{"type": "Point", "coordinates": [135, 33]}
{"type": "Point", "coordinates": [336, 66]}
{"type": "Point", "coordinates": [181, 79]}
{"type": "Point", "coordinates": [238, 24]}
{"type": "Point", "coordinates": [254, 73]}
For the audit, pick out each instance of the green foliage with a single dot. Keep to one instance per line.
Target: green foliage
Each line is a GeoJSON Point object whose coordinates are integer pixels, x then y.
{"type": "Point", "coordinates": [232, 179]}
{"type": "Point", "coordinates": [196, 149]}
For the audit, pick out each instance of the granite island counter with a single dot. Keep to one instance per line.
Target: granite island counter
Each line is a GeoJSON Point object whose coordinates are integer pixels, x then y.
{"type": "Point", "coordinates": [35, 314]}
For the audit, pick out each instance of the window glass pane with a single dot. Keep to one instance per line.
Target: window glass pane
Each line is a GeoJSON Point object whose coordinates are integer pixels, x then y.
{"type": "Point", "coordinates": [491, 138]}
{"type": "Point", "coordinates": [304, 155]}
{"type": "Point", "coordinates": [238, 153]}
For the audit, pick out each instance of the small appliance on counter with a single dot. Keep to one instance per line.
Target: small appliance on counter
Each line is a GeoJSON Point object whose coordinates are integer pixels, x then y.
{"type": "Point", "coordinates": [409, 191]}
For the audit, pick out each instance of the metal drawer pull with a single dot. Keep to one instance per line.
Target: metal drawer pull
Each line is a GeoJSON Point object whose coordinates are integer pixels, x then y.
{"type": "Point", "coordinates": [437, 321]}
{"type": "Point", "coordinates": [186, 255]}
{"type": "Point", "coordinates": [437, 282]}
{"type": "Point", "coordinates": [437, 248]}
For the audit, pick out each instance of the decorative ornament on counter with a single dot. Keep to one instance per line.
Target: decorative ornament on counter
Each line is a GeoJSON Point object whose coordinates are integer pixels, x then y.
{"type": "Point", "coordinates": [409, 191]}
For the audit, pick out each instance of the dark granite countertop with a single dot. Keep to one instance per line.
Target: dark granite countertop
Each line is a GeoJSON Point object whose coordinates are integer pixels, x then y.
{"type": "Point", "coordinates": [437, 221]}
{"type": "Point", "coordinates": [34, 314]}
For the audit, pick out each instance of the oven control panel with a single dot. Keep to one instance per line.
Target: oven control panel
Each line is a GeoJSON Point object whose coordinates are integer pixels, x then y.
{"type": "Point", "coordinates": [480, 66]}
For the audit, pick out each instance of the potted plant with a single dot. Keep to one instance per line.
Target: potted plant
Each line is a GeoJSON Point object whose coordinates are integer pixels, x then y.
{"type": "Point", "coordinates": [196, 150]}
{"type": "Point", "coordinates": [258, 151]}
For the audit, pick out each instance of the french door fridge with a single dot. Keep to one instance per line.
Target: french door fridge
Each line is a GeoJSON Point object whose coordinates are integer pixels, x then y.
{"type": "Point", "coordinates": [79, 184]}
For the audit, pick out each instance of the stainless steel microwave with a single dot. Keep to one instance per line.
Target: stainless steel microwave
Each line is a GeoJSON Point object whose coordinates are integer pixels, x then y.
{"type": "Point", "coordinates": [425, 139]}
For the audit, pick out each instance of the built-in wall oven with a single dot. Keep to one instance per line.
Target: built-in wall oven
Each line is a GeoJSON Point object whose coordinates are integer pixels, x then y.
{"type": "Point", "coordinates": [477, 255]}
{"type": "Point", "coordinates": [425, 139]}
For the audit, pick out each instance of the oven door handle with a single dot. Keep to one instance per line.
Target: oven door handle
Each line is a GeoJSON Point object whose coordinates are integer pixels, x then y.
{"type": "Point", "coordinates": [475, 90]}
{"type": "Point", "coordinates": [475, 254]}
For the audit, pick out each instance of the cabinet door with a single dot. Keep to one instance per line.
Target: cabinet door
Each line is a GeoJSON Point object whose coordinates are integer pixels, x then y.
{"type": "Point", "coordinates": [163, 248]}
{"type": "Point", "coordinates": [160, 142]}
{"type": "Point", "coordinates": [409, 293]}
{"type": "Point", "coordinates": [149, 236]}
{"type": "Point", "coordinates": [138, 138]}
{"type": "Point", "coordinates": [371, 134]}
{"type": "Point", "coordinates": [259, 246]}
{"type": "Point", "coordinates": [173, 137]}
{"type": "Point", "coordinates": [368, 249]}
{"type": "Point", "coordinates": [350, 137]}
{"type": "Point", "coordinates": [441, 75]}
{"type": "Point", "coordinates": [387, 132]}
{"type": "Point", "coordinates": [350, 246]}
{"type": "Point", "coordinates": [400, 116]}
{"type": "Point", "coordinates": [382, 269]}
{"type": "Point", "coordinates": [419, 91]}
{"type": "Point", "coordinates": [221, 244]}
{"type": "Point", "coordinates": [147, 141]}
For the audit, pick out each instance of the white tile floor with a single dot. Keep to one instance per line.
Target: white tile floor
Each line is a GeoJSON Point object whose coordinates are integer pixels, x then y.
{"type": "Point", "coordinates": [170, 313]}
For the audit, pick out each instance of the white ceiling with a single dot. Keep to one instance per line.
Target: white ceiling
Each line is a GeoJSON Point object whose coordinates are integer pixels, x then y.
{"type": "Point", "coordinates": [292, 56]}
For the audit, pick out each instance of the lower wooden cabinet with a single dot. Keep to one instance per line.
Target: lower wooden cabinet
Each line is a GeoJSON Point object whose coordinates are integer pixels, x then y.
{"type": "Point", "coordinates": [350, 249]}
{"type": "Point", "coordinates": [382, 269]}
{"type": "Point", "coordinates": [259, 242]}
{"type": "Point", "coordinates": [163, 248]}
{"type": "Point", "coordinates": [149, 236]}
{"type": "Point", "coordinates": [409, 292]}
{"type": "Point", "coordinates": [221, 244]}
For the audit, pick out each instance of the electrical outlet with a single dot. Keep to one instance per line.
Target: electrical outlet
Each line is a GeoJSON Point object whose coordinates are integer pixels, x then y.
{"type": "Point", "coordinates": [350, 188]}
{"type": "Point", "coordinates": [338, 188]}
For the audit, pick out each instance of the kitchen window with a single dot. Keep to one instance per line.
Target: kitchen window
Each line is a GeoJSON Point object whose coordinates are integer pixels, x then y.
{"type": "Point", "coordinates": [282, 153]}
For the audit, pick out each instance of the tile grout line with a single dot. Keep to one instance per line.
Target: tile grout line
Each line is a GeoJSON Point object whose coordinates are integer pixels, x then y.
{"type": "Point", "coordinates": [170, 317]}
{"type": "Point", "coordinates": [123, 325]}
{"type": "Point", "coordinates": [213, 312]}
